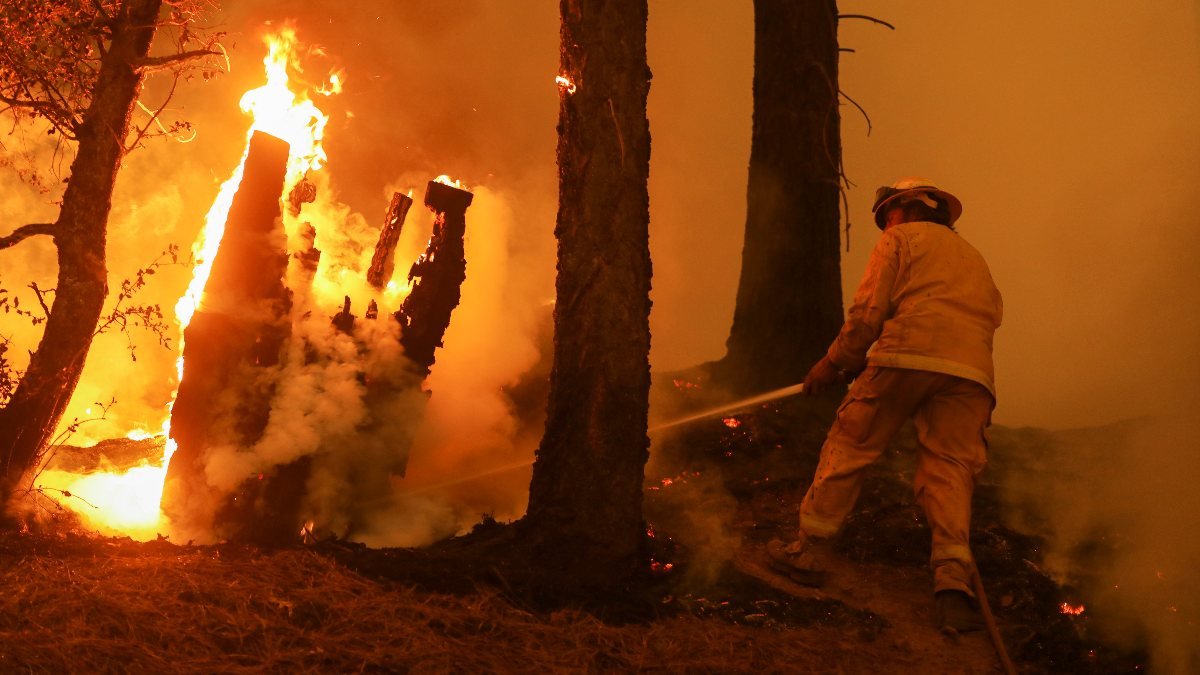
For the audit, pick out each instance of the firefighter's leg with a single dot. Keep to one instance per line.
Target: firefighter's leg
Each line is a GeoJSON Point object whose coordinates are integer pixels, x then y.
{"type": "Point", "coordinates": [953, 451]}
{"type": "Point", "coordinates": [878, 403]}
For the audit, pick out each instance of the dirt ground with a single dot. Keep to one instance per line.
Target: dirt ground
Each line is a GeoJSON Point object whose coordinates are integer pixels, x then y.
{"type": "Point", "coordinates": [715, 493]}
{"type": "Point", "coordinates": [72, 603]}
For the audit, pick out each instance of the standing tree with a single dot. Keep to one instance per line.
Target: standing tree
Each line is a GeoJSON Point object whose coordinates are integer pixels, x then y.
{"type": "Point", "coordinates": [78, 66]}
{"type": "Point", "coordinates": [585, 498]}
{"type": "Point", "coordinates": [789, 299]}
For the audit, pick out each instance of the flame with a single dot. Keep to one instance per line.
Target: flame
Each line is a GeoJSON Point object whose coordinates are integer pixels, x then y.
{"type": "Point", "coordinates": [447, 180]}
{"type": "Point", "coordinates": [1071, 609]}
{"type": "Point", "coordinates": [565, 84]}
{"type": "Point", "coordinates": [128, 502]}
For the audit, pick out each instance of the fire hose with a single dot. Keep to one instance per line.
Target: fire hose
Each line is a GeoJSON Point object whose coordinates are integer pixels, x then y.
{"type": "Point", "coordinates": [990, 621]}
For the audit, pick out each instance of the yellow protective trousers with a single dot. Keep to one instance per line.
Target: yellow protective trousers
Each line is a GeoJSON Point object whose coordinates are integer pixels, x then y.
{"type": "Point", "coordinates": [951, 414]}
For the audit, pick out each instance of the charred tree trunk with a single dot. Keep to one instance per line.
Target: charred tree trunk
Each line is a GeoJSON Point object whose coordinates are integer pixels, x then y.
{"type": "Point", "coordinates": [425, 313]}
{"type": "Point", "coordinates": [585, 498]}
{"type": "Point", "coordinates": [29, 420]}
{"type": "Point", "coordinates": [384, 259]}
{"type": "Point", "coordinates": [789, 299]}
{"type": "Point", "coordinates": [236, 334]}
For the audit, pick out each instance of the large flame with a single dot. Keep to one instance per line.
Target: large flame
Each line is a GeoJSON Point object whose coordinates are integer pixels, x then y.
{"type": "Point", "coordinates": [128, 502]}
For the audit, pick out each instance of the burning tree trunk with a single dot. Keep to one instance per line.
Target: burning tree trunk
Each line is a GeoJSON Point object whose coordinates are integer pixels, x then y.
{"type": "Point", "coordinates": [29, 419]}
{"type": "Point", "coordinates": [789, 299]}
{"type": "Point", "coordinates": [383, 261]}
{"type": "Point", "coordinates": [585, 498]}
{"type": "Point", "coordinates": [425, 313]}
{"type": "Point", "coordinates": [234, 338]}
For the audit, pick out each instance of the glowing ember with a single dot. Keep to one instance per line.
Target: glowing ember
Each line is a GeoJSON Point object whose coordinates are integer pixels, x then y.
{"type": "Point", "coordinates": [128, 502]}
{"type": "Point", "coordinates": [1073, 610]}
{"type": "Point", "coordinates": [732, 422]}
{"type": "Point", "coordinates": [565, 84]}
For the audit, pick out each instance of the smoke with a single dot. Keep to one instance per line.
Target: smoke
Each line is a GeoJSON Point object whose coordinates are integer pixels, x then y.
{"type": "Point", "coordinates": [470, 425]}
{"type": "Point", "coordinates": [1119, 511]}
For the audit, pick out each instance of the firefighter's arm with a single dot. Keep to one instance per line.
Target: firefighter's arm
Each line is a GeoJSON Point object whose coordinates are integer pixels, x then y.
{"type": "Point", "coordinates": [871, 307]}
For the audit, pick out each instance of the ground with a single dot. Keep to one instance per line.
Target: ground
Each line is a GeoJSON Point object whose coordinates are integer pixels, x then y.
{"type": "Point", "coordinates": [73, 603]}
{"type": "Point", "coordinates": [716, 492]}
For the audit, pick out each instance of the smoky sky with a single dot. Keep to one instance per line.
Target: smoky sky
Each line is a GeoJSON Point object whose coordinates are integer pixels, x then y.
{"type": "Point", "coordinates": [1068, 131]}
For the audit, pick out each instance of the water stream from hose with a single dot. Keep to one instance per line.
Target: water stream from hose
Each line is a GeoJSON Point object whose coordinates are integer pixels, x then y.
{"type": "Point", "coordinates": [757, 399]}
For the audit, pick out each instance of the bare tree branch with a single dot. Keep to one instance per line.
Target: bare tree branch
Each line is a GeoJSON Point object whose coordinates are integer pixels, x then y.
{"type": "Point", "coordinates": [152, 64]}
{"type": "Point", "coordinates": [41, 296]}
{"type": "Point", "coordinates": [25, 231]}
{"type": "Point", "coordinates": [867, 18]}
{"type": "Point", "coordinates": [860, 109]}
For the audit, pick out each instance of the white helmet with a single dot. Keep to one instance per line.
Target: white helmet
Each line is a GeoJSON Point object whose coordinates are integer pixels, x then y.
{"type": "Point", "coordinates": [913, 187]}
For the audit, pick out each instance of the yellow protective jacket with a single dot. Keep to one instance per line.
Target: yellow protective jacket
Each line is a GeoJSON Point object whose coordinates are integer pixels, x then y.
{"type": "Point", "coordinates": [926, 302]}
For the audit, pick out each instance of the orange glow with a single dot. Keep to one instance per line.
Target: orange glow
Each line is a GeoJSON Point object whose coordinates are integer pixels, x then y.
{"type": "Point", "coordinates": [128, 502]}
{"type": "Point", "coordinates": [1073, 610]}
{"type": "Point", "coordinates": [732, 422]}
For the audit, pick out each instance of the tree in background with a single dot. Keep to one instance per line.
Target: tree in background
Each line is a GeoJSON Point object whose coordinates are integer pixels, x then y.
{"type": "Point", "coordinates": [789, 299]}
{"type": "Point", "coordinates": [77, 67]}
{"type": "Point", "coordinates": [585, 498]}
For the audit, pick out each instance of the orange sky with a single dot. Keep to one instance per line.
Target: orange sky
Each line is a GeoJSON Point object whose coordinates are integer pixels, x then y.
{"type": "Point", "coordinates": [1068, 130]}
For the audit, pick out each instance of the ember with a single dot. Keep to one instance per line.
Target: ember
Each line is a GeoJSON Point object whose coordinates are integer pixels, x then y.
{"type": "Point", "coordinates": [565, 84]}
{"type": "Point", "coordinates": [1073, 610]}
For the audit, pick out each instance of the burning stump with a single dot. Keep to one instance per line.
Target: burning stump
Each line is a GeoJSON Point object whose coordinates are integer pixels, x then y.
{"type": "Point", "coordinates": [217, 482]}
{"type": "Point", "coordinates": [440, 271]}
{"type": "Point", "coordinates": [234, 338]}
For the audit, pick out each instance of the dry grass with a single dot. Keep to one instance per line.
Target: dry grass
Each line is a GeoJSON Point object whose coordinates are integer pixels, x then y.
{"type": "Point", "coordinates": [86, 605]}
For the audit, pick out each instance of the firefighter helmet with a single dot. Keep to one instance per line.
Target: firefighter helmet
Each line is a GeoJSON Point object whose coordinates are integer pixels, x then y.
{"type": "Point", "coordinates": [914, 187]}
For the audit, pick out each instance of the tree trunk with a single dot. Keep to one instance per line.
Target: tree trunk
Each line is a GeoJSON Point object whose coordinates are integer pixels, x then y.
{"type": "Point", "coordinates": [230, 351]}
{"type": "Point", "coordinates": [29, 420]}
{"type": "Point", "coordinates": [789, 299]}
{"type": "Point", "coordinates": [585, 498]}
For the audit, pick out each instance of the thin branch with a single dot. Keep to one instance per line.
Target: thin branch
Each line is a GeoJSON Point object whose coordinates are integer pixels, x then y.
{"type": "Point", "coordinates": [22, 103]}
{"type": "Point", "coordinates": [860, 109]}
{"type": "Point", "coordinates": [846, 49]}
{"type": "Point", "coordinates": [25, 231]}
{"type": "Point", "coordinates": [867, 18]}
{"type": "Point", "coordinates": [152, 64]}
{"type": "Point", "coordinates": [41, 296]}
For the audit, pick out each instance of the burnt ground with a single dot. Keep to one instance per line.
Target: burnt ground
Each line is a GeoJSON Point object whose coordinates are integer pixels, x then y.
{"type": "Point", "coordinates": [716, 492]}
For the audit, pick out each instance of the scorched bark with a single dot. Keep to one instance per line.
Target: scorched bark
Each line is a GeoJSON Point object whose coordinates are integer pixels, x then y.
{"type": "Point", "coordinates": [232, 342]}
{"type": "Point", "coordinates": [789, 299]}
{"type": "Point", "coordinates": [585, 498]}
{"type": "Point", "coordinates": [440, 272]}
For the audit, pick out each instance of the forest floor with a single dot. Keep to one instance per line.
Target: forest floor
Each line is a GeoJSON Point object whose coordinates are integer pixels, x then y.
{"type": "Point", "coordinates": [716, 492]}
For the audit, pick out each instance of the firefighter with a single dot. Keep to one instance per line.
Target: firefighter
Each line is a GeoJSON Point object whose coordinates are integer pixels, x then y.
{"type": "Point", "coordinates": [918, 341]}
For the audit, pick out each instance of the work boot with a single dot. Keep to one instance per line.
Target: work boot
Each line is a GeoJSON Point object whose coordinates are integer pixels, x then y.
{"type": "Point", "coordinates": [796, 561]}
{"type": "Point", "coordinates": [956, 612]}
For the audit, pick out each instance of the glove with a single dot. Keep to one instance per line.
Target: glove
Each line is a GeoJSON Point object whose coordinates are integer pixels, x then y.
{"type": "Point", "coordinates": [820, 377]}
